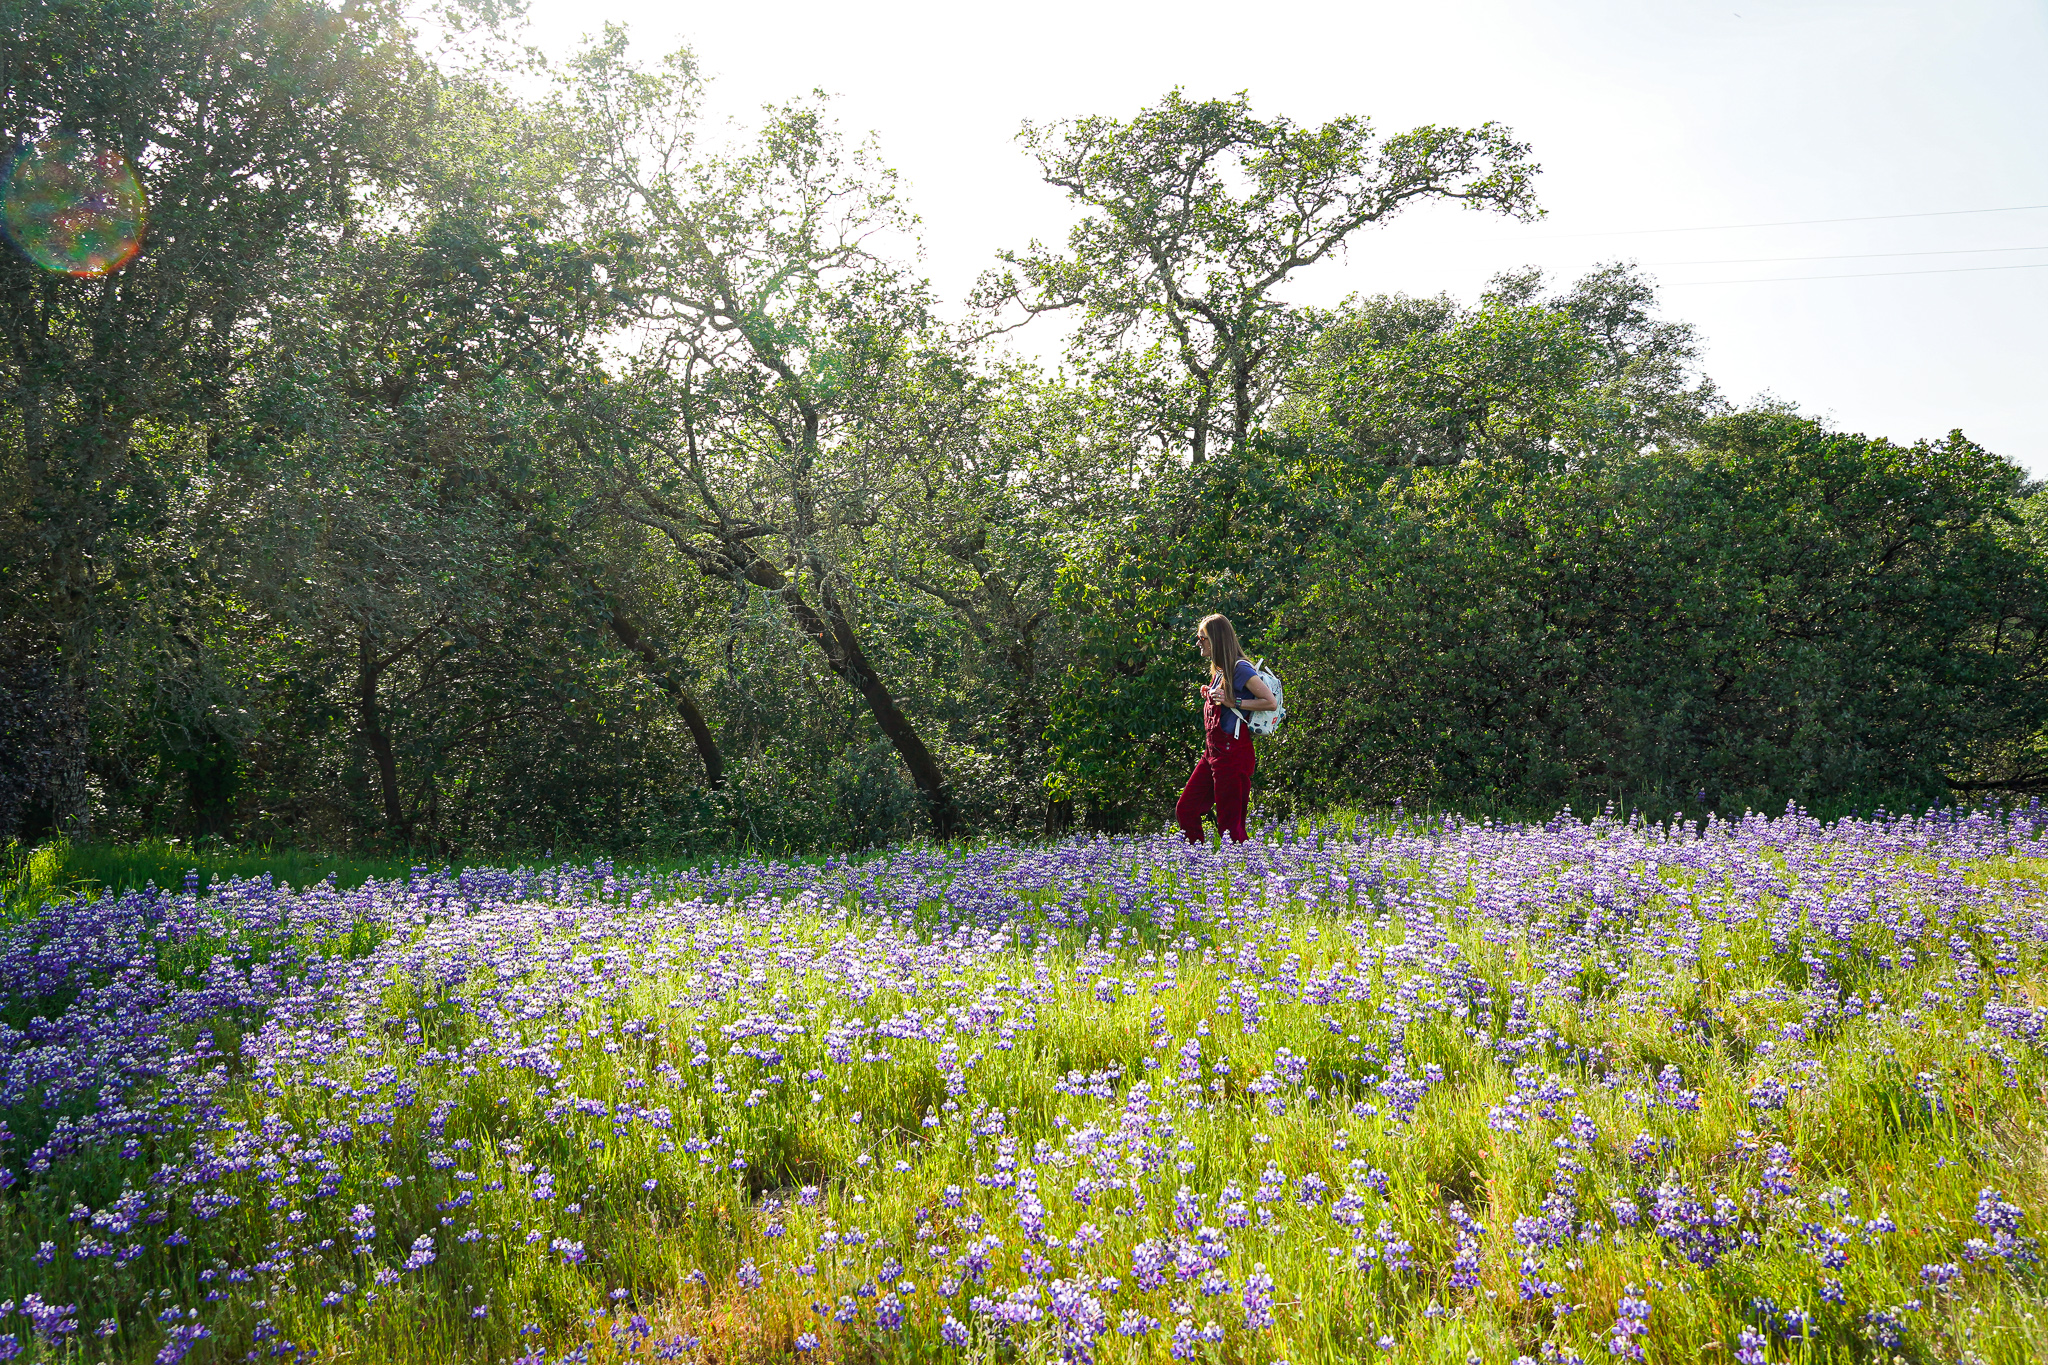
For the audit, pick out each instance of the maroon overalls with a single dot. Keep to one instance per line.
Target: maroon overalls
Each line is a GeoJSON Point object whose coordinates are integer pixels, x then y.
{"type": "Point", "coordinates": [1222, 778]}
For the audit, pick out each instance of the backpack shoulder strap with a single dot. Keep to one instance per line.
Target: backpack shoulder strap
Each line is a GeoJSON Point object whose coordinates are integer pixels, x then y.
{"type": "Point", "coordinates": [1244, 721]}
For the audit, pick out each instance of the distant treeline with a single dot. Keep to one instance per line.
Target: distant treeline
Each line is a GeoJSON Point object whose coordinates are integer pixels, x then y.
{"type": "Point", "coordinates": [462, 470]}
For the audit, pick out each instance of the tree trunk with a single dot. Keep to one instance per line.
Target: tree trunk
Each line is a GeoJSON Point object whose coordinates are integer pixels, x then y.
{"type": "Point", "coordinates": [1240, 406]}
{"type": "Point", "coordinates": [1023, 713]}
{"type": "Point", "coordinates": [70, 795]}
{"type": "Point", "coordinates": [1059, 816]}
{"type": "Point", "coordinates": [853, 665]}
{"type": "Point", "coordinates": [369, 671]}
{"type": "Point", "coordinates": [630, 635]}
{"type": "Point", "coordinates": [834, 634]}
{"type": "Point", "coordinates": [97, 445]}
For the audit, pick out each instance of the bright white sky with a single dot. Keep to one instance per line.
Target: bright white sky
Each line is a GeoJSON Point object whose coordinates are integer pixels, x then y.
{"type": "Point", "coordinates": [1647, 116]}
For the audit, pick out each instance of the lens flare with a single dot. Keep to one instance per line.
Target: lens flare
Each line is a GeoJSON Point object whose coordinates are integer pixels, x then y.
{"type": "Point", "coordinates": [69, 205]}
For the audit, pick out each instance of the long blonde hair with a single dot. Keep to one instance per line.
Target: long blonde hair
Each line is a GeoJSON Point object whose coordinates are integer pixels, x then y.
{"type": "Point", "coordinates": [1224, 651]}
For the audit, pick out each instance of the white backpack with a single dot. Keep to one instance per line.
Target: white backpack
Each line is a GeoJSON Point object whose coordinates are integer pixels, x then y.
{"type": "Point", "coordinates": [1265, 722]}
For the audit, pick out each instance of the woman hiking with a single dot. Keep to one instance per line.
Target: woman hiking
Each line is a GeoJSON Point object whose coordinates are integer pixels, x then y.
{"type": "Point", "coordinates": [1222, 778]}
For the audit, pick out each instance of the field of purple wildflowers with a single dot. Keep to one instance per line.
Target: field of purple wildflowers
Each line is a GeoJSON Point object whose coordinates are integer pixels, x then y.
{"type": "Point", "coordinates": [1607, 1090]}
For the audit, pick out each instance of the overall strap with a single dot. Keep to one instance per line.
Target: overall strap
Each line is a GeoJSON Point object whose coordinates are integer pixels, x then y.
{"type": "Point", "coordinates": [1244, 722]}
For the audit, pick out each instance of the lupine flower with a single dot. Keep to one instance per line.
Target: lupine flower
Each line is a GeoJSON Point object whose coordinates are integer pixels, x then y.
{"type": "Point", "coordinates": [1632, 1320]}
{"type": "Point", "coordinates": [1136, 1324]}
{"type": "Point", "coordinates": [1258, 1299]}
{"type": "Point", "coordinates": [1995, 1213]}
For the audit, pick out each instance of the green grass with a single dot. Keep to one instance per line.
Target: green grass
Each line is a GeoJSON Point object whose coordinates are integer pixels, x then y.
{"type": "Point", "coordinates": [31, 876]}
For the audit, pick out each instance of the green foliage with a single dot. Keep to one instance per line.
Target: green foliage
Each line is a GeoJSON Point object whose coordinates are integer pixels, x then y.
{"type": "Point", "coordinates": [1396, 381]}
{"type": "Point", "coordinates": [1127, 712]}
{"type": "Point", "coordinates": [1783, 613]}
{"type": "Point", "coordinates": [1515, 555]}
{"type": "Point", "coordinates": [251, 122]}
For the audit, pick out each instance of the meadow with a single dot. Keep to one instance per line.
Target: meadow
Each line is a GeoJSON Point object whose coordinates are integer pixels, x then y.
{"type": "Point", "coordinates": [1409, 1090]}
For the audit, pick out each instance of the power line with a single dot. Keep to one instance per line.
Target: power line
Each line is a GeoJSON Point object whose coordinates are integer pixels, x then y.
{"type": "Point", "coordinates": [1859, 256]}
{"type": "Point", "coordinates": [1804, 222]}
{"type": "Point", "coordinates": [1865, 275]}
